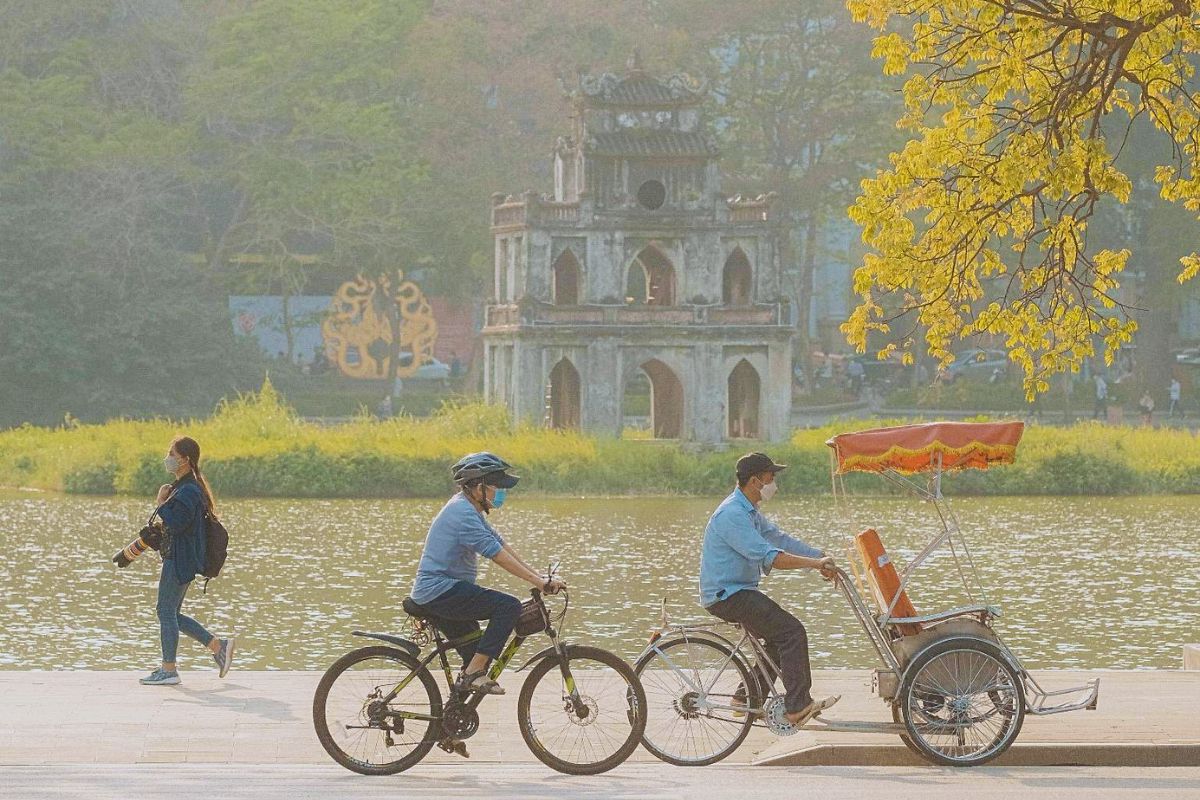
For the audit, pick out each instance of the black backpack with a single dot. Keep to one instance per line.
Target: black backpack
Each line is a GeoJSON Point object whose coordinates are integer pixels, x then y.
{"type": "Point", "coordinates": [216, 546]}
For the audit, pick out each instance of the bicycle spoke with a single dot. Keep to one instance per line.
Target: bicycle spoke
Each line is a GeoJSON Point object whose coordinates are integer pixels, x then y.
{"type": "Point", "coordinates": [601, 732]}
{"type": "Point", "coordinates": [680, 726]}
{"type": "Point", "coordinates": [361, 729]}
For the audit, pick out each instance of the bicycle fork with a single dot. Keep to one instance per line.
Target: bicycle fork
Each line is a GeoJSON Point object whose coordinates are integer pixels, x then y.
{"type": "Point", "coordinates": [573, 703]}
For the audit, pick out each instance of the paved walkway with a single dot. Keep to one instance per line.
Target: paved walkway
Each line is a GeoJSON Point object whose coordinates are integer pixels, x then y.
{"type": "Point", "coordinates": [266, 717]}
{"type": "Point", "coordinates": [522, 782]}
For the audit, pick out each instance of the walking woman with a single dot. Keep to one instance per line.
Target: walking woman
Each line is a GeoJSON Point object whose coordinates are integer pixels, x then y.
{"type": "Point", "coordinates": [181, 507]}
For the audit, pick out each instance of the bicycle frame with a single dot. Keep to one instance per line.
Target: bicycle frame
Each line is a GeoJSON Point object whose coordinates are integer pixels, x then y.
{"type": "Point", "coordinates": [736, 651]}
{"type": "Point", "coordinates": [442, 646]}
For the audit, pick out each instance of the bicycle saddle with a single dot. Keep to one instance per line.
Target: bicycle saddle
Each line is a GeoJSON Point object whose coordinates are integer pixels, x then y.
{"type": "Point", "coordinates": [414, 610]}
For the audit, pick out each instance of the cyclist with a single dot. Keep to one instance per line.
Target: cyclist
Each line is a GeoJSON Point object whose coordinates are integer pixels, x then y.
{"type": "Point", "coordinates": [445, 586]}
{"type": "Point", "coordinates": [740, 546]}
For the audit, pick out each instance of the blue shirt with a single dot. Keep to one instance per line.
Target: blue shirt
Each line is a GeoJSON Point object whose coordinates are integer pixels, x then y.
{"type": "Point", "coordinates": [183, 518]}
{"type": "Point", "coordinates": [740, 546]}
{"type": "Point", "coordinates": [458, 536]}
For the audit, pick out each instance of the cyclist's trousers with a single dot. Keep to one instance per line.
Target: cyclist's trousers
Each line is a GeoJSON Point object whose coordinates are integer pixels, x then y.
{"type": "Point", "coordinates": [785, 639]}
{"type": "Point", "coordinates": [456, 610]}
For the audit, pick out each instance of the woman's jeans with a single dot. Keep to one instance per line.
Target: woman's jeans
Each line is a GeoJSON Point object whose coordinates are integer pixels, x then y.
{"type": "Point", "coordinates": [454, 612]}
{"type": "Point", "coordinates": [170, 620]}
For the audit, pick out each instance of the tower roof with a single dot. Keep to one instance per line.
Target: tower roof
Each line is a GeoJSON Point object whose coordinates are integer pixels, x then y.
{"type": "Point", "coordinates": [639, 89]}
{"type": "Point", "coordinates": [640, 142]}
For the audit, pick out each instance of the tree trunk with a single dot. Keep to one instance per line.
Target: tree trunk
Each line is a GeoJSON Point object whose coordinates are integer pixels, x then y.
{"type": "Point", "coordinates": [289, 332]}
{"type": "Point", "coordinates": [808, 269]}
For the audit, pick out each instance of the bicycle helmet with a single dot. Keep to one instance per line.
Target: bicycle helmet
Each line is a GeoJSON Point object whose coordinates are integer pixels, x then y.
{"type": "Point", "coordinates": [489, 467]}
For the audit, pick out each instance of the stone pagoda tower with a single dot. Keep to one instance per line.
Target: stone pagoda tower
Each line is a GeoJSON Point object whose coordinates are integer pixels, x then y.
{"type": "Point", "coordinates": [639, 270]}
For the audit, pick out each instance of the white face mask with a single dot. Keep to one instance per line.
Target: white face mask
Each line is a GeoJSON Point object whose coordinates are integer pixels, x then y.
{"type": "Point", "coordinates": [171, 463]}
{"type": "Point", "coordinates": [768, 490]}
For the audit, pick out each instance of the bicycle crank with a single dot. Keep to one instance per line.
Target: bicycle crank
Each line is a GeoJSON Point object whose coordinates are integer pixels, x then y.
{"type": "Point", "coordinates": [775, 715]}
{"type": "Point", "coordinates": [460, 722]}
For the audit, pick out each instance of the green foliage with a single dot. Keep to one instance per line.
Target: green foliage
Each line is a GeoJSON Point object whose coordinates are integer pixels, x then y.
{"type": "Point", "coordinates": [965, 394]}
{"type": "Point", "coordinates": [255, 445]}
{"type": "Point", "coordinates": [1018, 113]}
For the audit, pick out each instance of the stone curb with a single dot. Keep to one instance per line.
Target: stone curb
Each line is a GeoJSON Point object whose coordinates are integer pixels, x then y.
{"type": "Point", "coordinates": [1129, 754]}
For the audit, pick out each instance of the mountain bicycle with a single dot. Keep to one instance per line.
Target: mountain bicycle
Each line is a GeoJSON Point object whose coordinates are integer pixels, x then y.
{"type": "Point", "coordinates": [378, 710]}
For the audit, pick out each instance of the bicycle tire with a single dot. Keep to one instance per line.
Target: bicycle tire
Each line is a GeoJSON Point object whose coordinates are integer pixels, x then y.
{"type": "Point", "coordinates": [634, 710]}
{"type": "Point", "coordinates": [655, 744]}
{"type": "Point", "coordinates": [321, 721]}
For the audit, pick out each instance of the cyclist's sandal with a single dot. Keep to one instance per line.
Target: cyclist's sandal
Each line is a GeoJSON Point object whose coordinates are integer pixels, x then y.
{"type": "Point", "coordinates": [813, 710]}
{"type": "Point", "coordinates": [479, 682]}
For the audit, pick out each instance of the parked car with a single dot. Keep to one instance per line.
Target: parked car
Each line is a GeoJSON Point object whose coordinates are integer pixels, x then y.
{"type": "Point", "coordinates": [976, 363]}
{"type": "Point", "coordinates": [886, 373]}
{"type": "Point", "coordinates": [432, 370]}
{"type": "Point", "coordinates": [1190, 356]}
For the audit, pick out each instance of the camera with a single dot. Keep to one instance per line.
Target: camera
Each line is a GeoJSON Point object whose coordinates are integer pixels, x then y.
{"type": "Point", "coordinates": [149, 538]}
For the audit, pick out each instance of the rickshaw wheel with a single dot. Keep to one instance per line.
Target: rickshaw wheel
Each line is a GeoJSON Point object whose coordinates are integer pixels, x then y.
{"type": "Point", "coordinates": [962, 702]}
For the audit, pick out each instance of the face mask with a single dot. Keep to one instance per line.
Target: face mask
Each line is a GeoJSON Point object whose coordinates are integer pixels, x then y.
{"type": "Point", "coordinates": [498, 500]}
{"type": "Point", "coordinates": [768, 490]}
{"type": "Point", "coordinates": [171, 463]}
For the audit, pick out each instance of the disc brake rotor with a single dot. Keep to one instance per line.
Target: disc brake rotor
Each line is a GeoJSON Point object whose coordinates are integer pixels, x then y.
{"type": "Point", "coordinates": [593, 710]}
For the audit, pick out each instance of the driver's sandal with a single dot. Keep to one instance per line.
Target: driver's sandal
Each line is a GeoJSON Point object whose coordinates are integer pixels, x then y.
{"type": "Point", "coordinates": [477, 682]}
{"type": "Point", "coordinates": [456, 746]}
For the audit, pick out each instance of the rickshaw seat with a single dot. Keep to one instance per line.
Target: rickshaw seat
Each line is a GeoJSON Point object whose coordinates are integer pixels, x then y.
{"type": "Point", "coordinates": [885, 582]}
{"type": "Point", "coordinates": [983, 612]}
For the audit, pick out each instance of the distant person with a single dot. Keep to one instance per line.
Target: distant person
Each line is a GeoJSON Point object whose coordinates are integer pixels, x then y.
{"type": "Point", "coordinates": [1146, 406]}
{"type": "Point", "coordinates": [857, 374]}
{"type": "Point", "coordinates": [319, 363]}
{"type": "Point", "coordinates": [1101, 409]}
{"type": "Point", "coordinates": [456, 367]}
{"type": "Point", "coordinates": [385, 409]}
{"type": "Point", "coordinates": [1175, 392]}
{"type": "Point", "coordinates": [182, 507]}
{"type": "Point", "coordinates": [826, 374]}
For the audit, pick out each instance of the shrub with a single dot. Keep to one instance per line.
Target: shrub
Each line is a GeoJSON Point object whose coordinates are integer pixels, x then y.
{"type": "Point", "coordinates": [255, 445]}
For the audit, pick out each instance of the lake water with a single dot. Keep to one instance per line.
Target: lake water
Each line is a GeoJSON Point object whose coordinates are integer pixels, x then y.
{"type": "Point", "coordinates": [1083, 582]}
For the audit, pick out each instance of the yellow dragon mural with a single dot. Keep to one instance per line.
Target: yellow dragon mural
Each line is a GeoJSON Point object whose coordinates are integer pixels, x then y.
{"type": "Point", "coordinates": [365, 318]}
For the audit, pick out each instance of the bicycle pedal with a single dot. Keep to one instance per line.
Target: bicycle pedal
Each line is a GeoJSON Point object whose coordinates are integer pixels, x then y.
{"type": "Point", "coordinates": [456, 746]}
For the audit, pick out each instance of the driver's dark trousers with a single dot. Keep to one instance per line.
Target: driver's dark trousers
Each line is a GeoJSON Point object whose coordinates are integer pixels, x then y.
{"type": "Point", "coordinates": [784, 636]}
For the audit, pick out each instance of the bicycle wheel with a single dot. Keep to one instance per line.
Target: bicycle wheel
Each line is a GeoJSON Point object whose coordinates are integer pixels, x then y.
{"type": "Point", "coordinates": [681, 677]}
{"type": "Point", "coordinates": [963, 702]}
{"type": "Point", "coordinates": [596, 737]}
{"type": "Point", "coordinates": [358, 730]}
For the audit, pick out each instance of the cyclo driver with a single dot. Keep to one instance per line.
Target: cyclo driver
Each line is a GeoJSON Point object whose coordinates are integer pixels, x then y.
{"type": "Point", "coordinates": [740, 547]}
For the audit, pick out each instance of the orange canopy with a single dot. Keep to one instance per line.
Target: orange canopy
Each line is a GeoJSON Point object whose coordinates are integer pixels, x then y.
{"type": "Point", "coordinates": [915, 448]}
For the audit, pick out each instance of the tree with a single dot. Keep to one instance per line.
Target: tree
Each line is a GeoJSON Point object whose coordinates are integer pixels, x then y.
{"type": "Point", "coordinates": [1018, 111]}
{"type": "Point", "coordinates": [308, 141]}
{"type": "Point", "coordinates": [101, 313]}
{"type": "Point", "coordinates": [804, 113]}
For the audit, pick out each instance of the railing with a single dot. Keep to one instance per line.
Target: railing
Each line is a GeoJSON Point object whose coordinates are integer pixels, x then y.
{"type": "Point", "coordinates": [537, 314]}
{"type": "Point", "coordinates": [516, 212]}
{"type": "Point", "coordinates": [750, 209]}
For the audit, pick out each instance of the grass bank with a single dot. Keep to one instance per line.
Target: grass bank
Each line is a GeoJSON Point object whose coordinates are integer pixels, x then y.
{"type": "Point", "coordinates": [257, 446]}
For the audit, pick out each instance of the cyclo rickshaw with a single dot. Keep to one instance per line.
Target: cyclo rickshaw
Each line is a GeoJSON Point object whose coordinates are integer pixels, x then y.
{"type": "Point", "coordinates": [958, 694]}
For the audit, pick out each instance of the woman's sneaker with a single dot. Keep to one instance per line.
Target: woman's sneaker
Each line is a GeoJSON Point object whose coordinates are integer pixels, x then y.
{"type": "Point", "coordinates": [224, 656]}
{"type": "Point", "coordinates": [161, 678]}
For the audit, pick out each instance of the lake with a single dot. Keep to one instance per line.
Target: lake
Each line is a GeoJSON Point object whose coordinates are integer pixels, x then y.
{"type": "Point", "coordinates": [1092, 582]}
